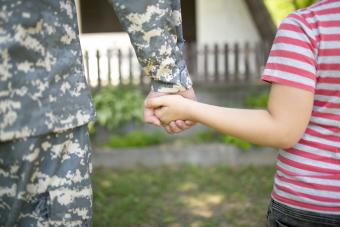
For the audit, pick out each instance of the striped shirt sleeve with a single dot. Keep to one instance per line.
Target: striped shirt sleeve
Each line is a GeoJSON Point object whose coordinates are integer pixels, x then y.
{"type": "Point", "coordinates": [292, 57]}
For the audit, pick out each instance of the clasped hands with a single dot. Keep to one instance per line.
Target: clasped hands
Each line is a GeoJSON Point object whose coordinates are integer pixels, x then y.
{"type": "Point", "coordinates": [169, 110]}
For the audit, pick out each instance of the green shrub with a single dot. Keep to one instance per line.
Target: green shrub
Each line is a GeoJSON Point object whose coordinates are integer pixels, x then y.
{"type": "Point", "coordinates": [241, 144]}
{"type": "Point", "coordinates": [136, 139]}
{"type": "Point", "coordinates": [206, 136]}
{"type": "Point", "coordinates": [257, 101]}
{"type": "Point", "coordinates": [116, 106]}
{"type": "Point", "coordinates": [251, 101]}
{"type": "Point", "coordinates": [209, 136]}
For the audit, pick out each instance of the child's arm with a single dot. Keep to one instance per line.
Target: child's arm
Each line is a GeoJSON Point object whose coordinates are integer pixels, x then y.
{"type": "Point", "coordinates": [281, 125]}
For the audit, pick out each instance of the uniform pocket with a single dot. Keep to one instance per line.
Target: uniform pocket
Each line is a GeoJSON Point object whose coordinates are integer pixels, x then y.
{"type": "Point", "coordinates": [41, 208]}
{"type": "Point", "coordinates": [70, 206]}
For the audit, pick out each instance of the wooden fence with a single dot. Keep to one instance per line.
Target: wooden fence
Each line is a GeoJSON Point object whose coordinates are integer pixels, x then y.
{"type": "Point", "coordinates": [207, 64]}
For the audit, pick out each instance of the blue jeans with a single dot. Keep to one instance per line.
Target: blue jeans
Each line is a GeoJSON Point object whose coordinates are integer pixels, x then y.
{"type": "Point", "coordinates": [280, 215]}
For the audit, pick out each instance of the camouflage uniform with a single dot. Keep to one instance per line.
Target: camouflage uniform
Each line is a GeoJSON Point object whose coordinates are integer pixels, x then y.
{"type": "Point", "coordinates": [155, 30]}
{"type": "Point", "coordinates": [45, 180]}
{"type": "Point", "coordinates": [45, 103]}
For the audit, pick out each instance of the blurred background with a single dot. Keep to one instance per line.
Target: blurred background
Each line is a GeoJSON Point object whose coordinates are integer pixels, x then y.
{"type": "Point", "coordinates": [144, 177]}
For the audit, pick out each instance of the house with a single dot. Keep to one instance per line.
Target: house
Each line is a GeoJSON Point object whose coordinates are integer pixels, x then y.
{"type": "Point", "coordinates": [213, 22]}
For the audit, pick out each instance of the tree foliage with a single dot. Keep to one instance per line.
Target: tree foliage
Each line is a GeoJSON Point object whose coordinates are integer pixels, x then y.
{"type": "Point", "coordinates": [279, 9]}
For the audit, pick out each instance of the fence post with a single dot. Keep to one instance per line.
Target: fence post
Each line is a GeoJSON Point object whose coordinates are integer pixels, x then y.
{"type": "Point", "coordinates": [258, 58]}
{"type": "Point", "coordinates": [120, 66]}
{"type": "Point", "coordinates": [226, 62]}
{"type": "Point", "coordinates": [87, 68]}
{"type": "Point", "coordinates": [98, 69]}
{"type": "Point", "coordinates": [188, 56]}
{"type": "Point", "coordinates": [246, 61]}
{"type": "Point", "coordinates": [130, 67]}
{"type": "Point", "coordinates": [109, 53]}
{"type": "Point", "coordinates": [236, 61]}
{"type": "Point", "coordinates": [266, 51]}
{"type": "Point", "coordinates": [206, 55]}
{"type": "Point", "coordinates": [216, 53]}
{"type": "Point", "coordinates": [185, 52]}
{"type": "Point", "coordinates": [193, 55]}
{"type": "Point", "coordinates": [141, 75]}
{"type": "Point", "coordinates": [193, 59]}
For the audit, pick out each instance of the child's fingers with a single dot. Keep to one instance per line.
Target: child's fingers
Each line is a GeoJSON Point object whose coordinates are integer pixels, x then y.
{"type": "Point", "coordinates": [189, 123]}
{"type": "Point", "coordinates": [154, 102]}
{"type": "Point", "coordinates": [162, 115]}
{"type": "Point", "coordinates": [159, 112]}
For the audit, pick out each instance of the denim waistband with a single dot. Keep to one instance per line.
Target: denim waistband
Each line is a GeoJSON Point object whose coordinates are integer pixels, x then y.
{"type": "Point", "coordinates": [305, 215]}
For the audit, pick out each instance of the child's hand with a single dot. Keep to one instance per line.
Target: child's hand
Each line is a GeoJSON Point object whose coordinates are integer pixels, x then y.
{"type": "Point", "coordinates": [170, 108]}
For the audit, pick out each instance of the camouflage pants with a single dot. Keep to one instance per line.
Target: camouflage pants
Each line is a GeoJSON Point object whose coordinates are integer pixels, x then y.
{"type": "Point", "coordinates": [45, 180]}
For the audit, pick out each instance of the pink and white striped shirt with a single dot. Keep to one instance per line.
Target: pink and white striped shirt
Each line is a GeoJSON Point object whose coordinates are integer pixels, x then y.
{"type": "Point", "coordinates": [306, 55]}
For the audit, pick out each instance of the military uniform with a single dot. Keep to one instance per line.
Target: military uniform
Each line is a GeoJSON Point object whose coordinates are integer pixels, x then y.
{"type": "Point", "coordinates": [45, 103]}
{"type": "Point", "coordinates": [155, 30]}
{"type": "Point", "coordinates": [45, 180]}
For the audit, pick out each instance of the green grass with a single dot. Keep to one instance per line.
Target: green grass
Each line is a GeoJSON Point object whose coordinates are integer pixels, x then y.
{"type": "Point", "coordinates": [135, 139]}
{"type": "Point", "coordinates": [145, 139]}
{"type": "Point", "coordinates": [186, 196]}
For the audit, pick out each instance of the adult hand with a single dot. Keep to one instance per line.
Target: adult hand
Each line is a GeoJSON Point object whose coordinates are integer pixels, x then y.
{"type": "Point", "coordinates": [174, 126]}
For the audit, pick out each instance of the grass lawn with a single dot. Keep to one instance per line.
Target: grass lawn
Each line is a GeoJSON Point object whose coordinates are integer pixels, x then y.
{"type": "Point", "coordinates": [186, 196]}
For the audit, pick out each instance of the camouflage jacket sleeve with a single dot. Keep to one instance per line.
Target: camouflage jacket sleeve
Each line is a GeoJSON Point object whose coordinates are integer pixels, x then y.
{"type": "Point", "coordinates": [155, 31]}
